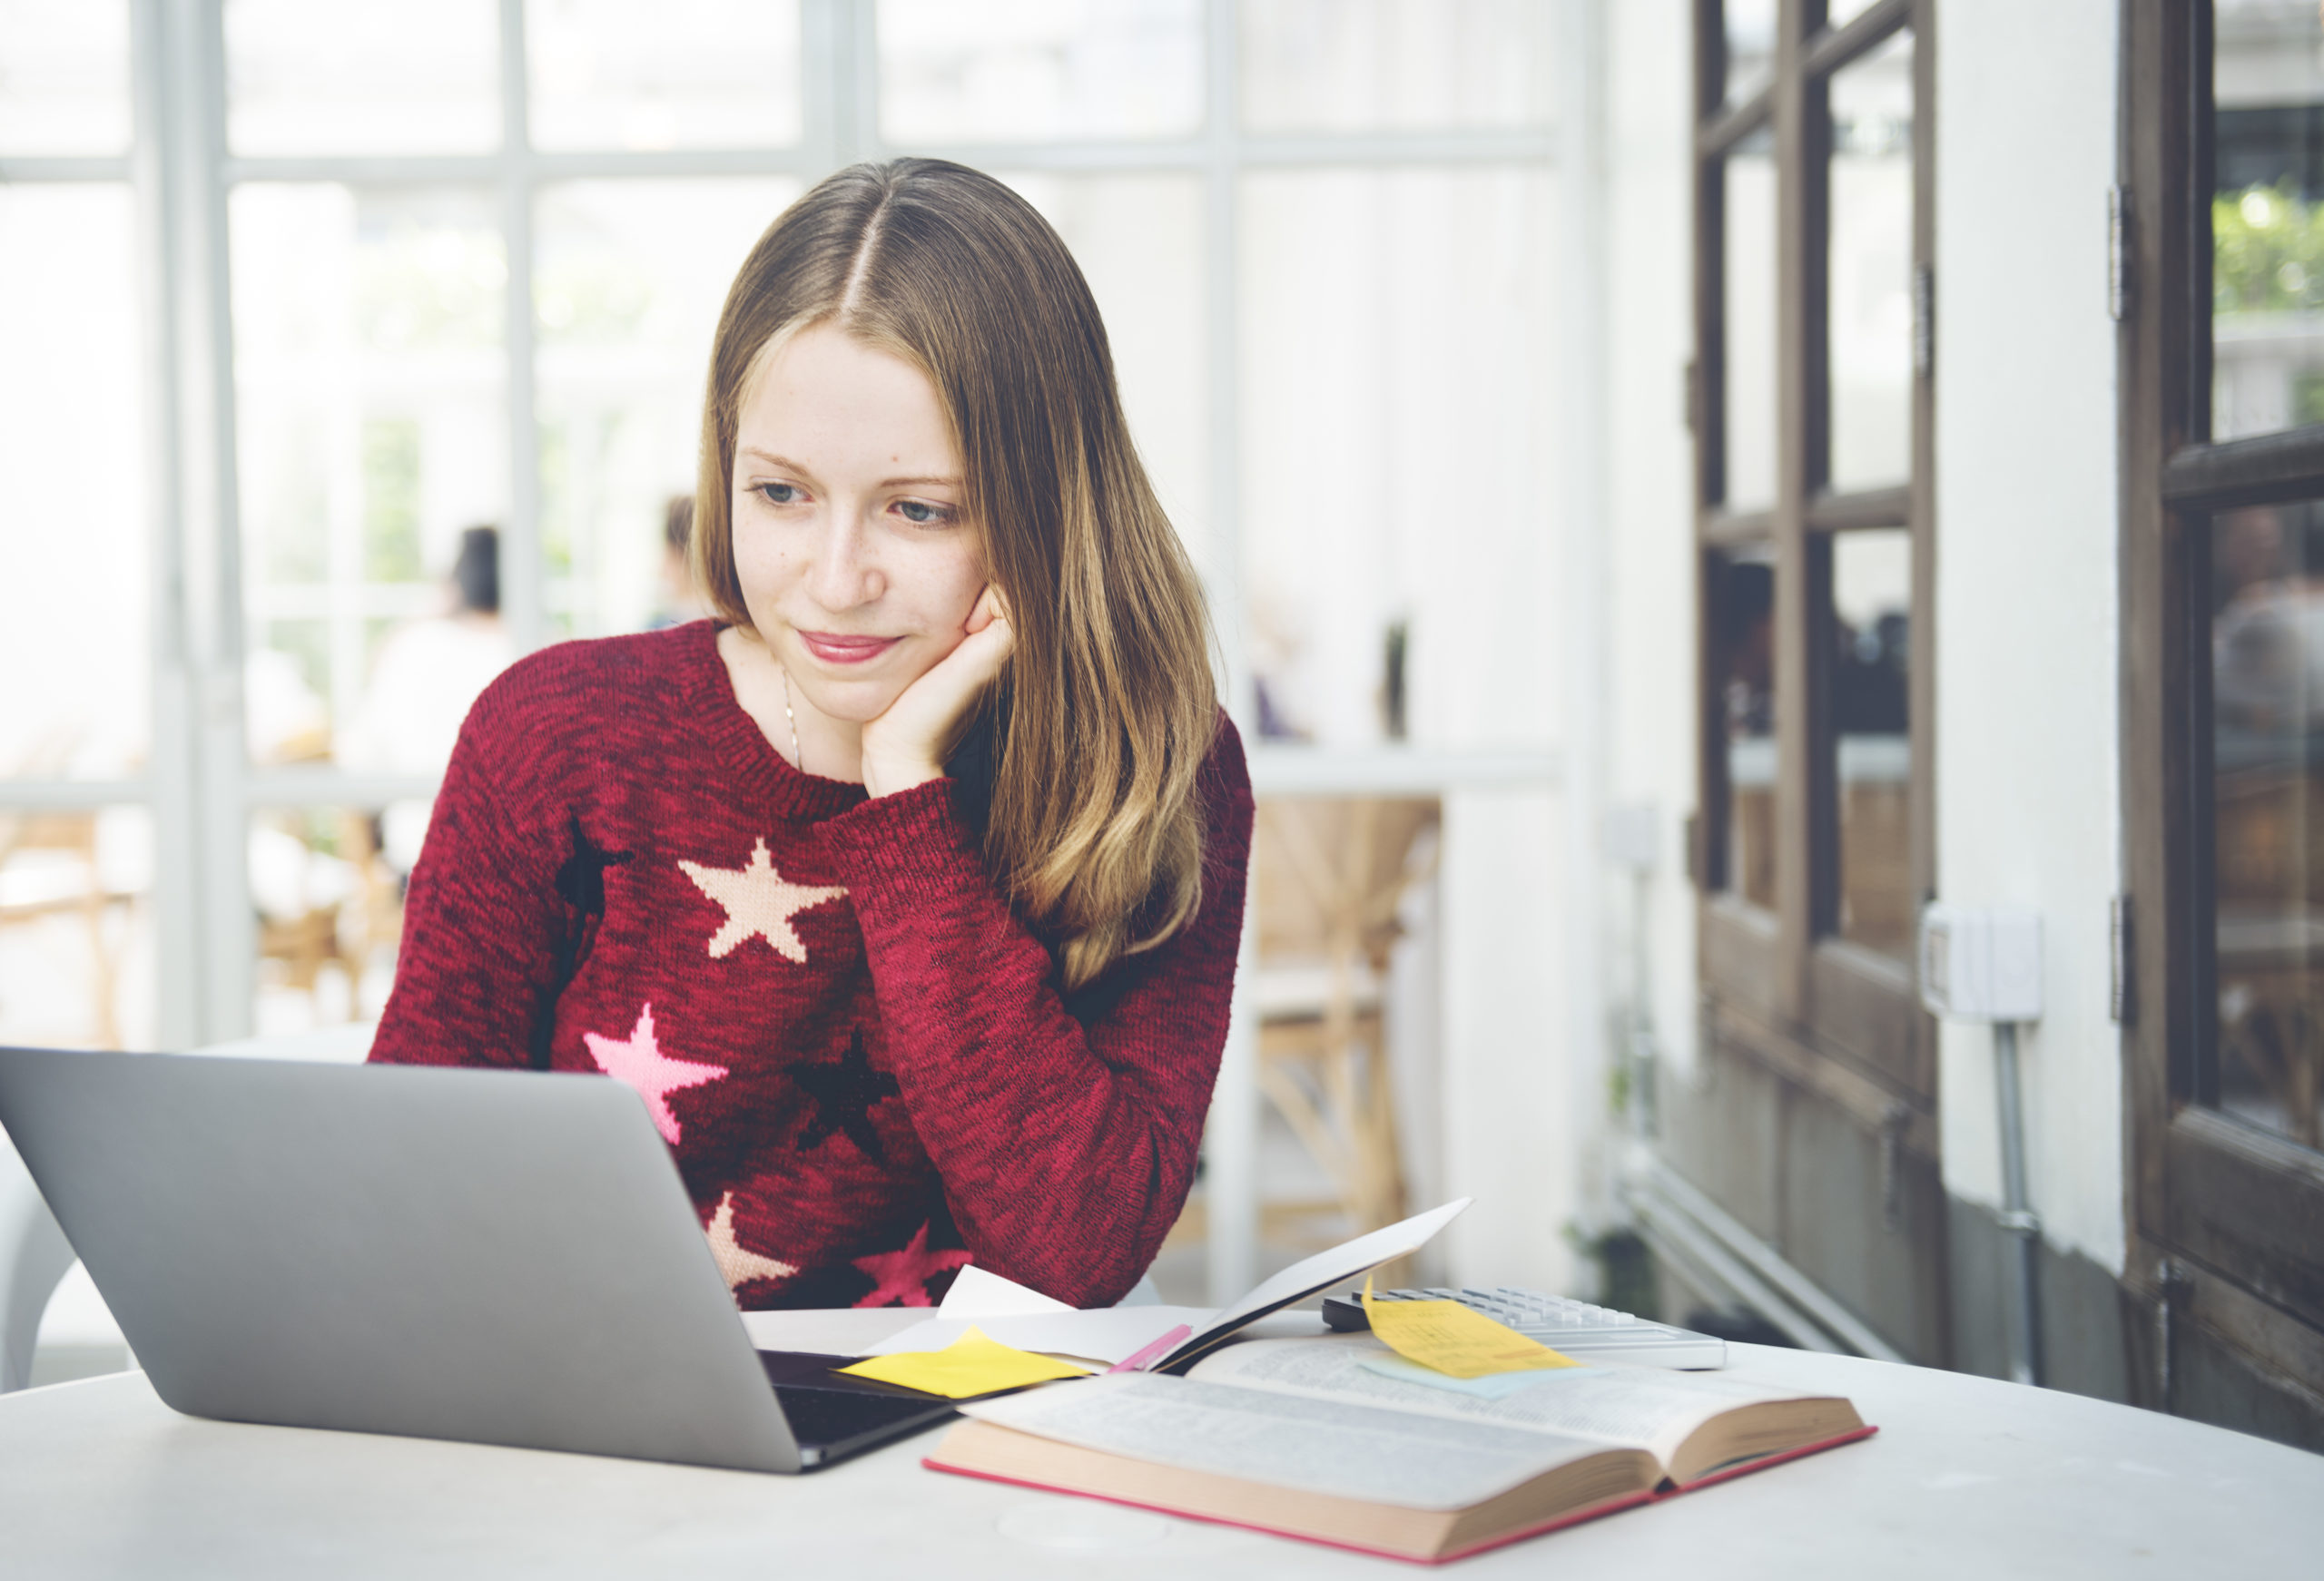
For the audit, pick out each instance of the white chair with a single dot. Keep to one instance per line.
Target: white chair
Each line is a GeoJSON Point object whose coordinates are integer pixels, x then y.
{"type": "Point", "coordinates": [34, 1255]}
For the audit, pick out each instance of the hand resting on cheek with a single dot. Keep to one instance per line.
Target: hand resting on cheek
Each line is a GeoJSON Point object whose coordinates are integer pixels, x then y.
{"type": "Point", "coordinates": [905, 746]}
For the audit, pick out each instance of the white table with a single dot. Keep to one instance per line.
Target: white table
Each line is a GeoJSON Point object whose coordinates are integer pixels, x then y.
{"type": "Point", "coordinates": [1967, 1479]}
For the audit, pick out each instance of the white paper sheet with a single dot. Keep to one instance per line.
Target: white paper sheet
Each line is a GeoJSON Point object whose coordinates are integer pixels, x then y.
{"type": "Point", "coordinates": [1108, 1334]}
{"type": "Point", "coordinates": [979, 1293]}
{"type": "Point", "coordinates": [1321, 1271]}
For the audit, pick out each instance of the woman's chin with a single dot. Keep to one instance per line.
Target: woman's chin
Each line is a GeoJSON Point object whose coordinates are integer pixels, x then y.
{"type": "Point", "coordinates": [847, 702]}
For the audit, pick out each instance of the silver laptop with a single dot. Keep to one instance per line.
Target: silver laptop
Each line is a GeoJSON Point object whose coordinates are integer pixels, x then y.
{"type": "Point", "coordinates": [502, 1257]}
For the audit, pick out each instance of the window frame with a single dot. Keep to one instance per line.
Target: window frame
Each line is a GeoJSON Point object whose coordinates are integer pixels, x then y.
{"type": "Point", "coordinates": [2227, 1221]}
{"type": "Point", "coordinates": [199, 782]}
{"type": "Point", "coordinates": [1848, 1013]}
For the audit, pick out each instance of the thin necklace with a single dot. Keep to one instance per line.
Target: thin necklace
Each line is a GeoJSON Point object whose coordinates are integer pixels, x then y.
{"type": "Point", "coordinates": [797, 761]}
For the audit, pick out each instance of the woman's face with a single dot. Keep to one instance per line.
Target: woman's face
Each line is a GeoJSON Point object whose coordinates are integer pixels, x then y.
{"type": "Point", "coordinates": [855, 559]}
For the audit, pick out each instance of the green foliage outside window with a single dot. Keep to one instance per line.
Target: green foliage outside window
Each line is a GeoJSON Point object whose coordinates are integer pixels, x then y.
{"type": "Point", "coordinates": [391, 500]}
{"type": "Point", "coordinates": [2308, 397]}
{"type": "Point", "coordinates": [2267, 252]}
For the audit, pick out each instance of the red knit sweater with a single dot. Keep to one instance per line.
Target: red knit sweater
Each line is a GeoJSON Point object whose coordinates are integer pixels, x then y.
{"type": "Point", "coordinates": [857, 1053]}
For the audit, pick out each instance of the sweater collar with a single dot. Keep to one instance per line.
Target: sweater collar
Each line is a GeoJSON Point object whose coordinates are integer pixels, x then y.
{"type": "Point", "coordinates": [758, 768]}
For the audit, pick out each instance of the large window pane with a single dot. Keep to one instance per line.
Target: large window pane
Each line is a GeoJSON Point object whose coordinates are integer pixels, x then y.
{"type": "Point", "coordinates": [1749, 272]}
{"type": "Point", "coordinates": [1139, 240]}
{"type": "Point", "coordinates": [679, 73]}
{"type": "Point", "coordinates": [1398, 453]}
{"type": "Point", "coordinates": [1742, 609]}
{"type": "Point", "coordinates": [64, 77]}
{"type": "Point", "coordinates": [1871, 304]}
{"type": "Point", "coordinates": [628, 281]}
{"type": "Point", "coordinates": [1362, 65]}
{"type": "Point", "coordinates": [2268, 810]}
{"type": "Point", "coordinates": [74, 561]}
{"type": "Point", "coordinates": [1003, 71]}
{"type": "Point", "coordinates": [418, 77]}
{"type": "Point", "coordinates": [1869, 671]}
{"type": "Point", "coordinates": [1751, 47]}
{"type": "Point", "coordinates": [2268, 219]}
{"type": "Point", "coordinates": [373, 424]}
{"type": "Point", "coordinates": [76, 928]}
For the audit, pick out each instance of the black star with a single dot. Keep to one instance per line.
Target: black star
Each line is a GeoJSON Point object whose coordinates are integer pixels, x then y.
{"type": "Point", "coordinates": [844, 1091]}
{"type": "Point", "coordinates": [582, 880]}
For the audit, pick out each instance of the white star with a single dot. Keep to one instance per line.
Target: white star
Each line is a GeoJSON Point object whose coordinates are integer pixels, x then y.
{"type": "Point", "coordinates": [737, 1262]}
{"type": "Point", "coordinates": [758, 902]}
{"type": "Point", "coordinates": [640, 1062]}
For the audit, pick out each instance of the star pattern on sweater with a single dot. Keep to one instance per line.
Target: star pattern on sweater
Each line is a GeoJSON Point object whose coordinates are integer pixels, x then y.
{"type": "Point", "coordinates": [737, 1262]}
{"type": "Point", "coordinates": [844, 1089]}
{"type": "Point", "coordinates": [760, 903]}
{"type": "Point", "coordinates": [581, 879]}
{"type": "Point", "coordinates": [639, 1061]}
{"type": "Point", "coordinates": [900, 1278]}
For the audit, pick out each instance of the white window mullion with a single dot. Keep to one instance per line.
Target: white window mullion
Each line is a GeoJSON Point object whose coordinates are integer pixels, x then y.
{"type": "Point", "coordinates": [522, 573]}
{"type": "Point", "coordinates": [859, 73]}
{"type": "Point", "coordinates": [202, 554]}
{"type": "Point", "coordinates": [169, 756]}
{"type": "Point", "coordinates": [1231, 1138]}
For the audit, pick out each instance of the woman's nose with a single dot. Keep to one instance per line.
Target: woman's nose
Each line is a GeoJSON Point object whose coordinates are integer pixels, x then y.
{"type": "Point", "coordinates": [845, 574]}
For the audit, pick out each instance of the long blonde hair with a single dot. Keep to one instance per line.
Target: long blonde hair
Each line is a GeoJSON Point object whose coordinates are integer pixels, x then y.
{"type": "Point", "coordinates": [1094, 832]}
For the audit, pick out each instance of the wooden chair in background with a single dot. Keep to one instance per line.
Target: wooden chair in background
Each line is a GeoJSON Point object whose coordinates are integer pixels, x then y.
{"type": "Point", "coordinates": [73, 835]}
{"type": "Point", "coordinates": [1332, 874]}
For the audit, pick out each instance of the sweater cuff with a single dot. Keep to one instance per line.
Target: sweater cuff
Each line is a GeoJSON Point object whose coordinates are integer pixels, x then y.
{"type": "Point", "coordinates": [911, 845]}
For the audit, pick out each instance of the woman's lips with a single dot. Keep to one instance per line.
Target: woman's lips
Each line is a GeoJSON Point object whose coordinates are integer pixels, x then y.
{"type": "Point", "coordinates": [832, 648]}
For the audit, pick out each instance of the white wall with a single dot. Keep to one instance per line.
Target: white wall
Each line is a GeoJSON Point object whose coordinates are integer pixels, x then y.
{"type": "Point", "coordinates": [2027, 769]}
{"type": "Point", "coordinates": [1508, 1111]}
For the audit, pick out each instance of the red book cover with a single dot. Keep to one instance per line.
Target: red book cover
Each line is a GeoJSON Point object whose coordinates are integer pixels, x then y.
{"type": "Point", "coordinates": [1570, 1517]}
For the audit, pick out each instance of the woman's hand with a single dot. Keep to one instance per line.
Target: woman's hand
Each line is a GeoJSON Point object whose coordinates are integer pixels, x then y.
{"type": "Point", "coordinates": [905, 746]}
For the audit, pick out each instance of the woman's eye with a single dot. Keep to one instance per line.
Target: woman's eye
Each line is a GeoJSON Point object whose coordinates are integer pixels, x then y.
{"type": "Point", "coordinates": [779, 493]}
{"type": "Point", "coordinates": [921, 513]}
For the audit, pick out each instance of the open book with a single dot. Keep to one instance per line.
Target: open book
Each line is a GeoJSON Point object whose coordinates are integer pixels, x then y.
{"type": "Point", "coordinates": [1029, 1321]}
{"type": "Point", "coordinates": [1333, 1441]}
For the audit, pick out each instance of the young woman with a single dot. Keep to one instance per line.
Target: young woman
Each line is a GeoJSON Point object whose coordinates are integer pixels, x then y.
{"type": "Point", "coordinates": [906, 890]}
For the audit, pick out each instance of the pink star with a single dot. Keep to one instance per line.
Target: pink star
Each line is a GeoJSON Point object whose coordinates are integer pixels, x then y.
{"type": "Point", "coordinates": [640, 1062]}
{"type": "Point", "coordinates": [903, 1275]}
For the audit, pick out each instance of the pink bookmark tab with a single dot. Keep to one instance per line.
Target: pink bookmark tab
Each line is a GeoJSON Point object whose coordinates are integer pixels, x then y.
{"type": "Point", "coordinates": [1146, 1358]}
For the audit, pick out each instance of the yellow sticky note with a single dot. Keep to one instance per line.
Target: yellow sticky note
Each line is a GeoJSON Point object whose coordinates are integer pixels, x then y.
{"type": "Point", "coordinates": [971, 1364]}
{"type": "Point", "coordinates": [1457, 1340]}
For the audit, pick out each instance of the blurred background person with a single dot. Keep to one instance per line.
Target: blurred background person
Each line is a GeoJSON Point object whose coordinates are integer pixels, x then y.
{"type": "Point", "coordinates": [425, 676]}
{"type": "Point", "coordinates": [679, 600]}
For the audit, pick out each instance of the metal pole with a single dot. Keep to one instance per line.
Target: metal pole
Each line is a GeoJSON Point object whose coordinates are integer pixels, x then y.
{"type": "Point", "coordinates": [2017, 1218]}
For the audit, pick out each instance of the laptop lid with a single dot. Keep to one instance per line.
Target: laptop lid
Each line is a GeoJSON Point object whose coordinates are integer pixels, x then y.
{"type": "Point", "coordinates": [501, 1257]}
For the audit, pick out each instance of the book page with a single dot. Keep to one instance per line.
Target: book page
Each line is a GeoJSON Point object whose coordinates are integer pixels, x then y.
{"type": "Point", "coordinates": [1321, 1446]}
{"type": "Point", "coordinates": [1325, 1269]}
{"type": "Point", "coordinates": [1636, 1407]}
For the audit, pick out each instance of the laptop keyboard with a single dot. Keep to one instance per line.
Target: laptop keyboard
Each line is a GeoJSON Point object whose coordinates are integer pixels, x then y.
{"type": "Point", "coordinates": [1579, 1330]}
{"type": "Point", "coordinates": [831, 1416]}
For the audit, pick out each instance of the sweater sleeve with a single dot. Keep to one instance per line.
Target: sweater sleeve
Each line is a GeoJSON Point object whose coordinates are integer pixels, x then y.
{"type": "Point", "coordinates": [1065, 1149]}
{"type": "Point", "coordinates": [482, 924]}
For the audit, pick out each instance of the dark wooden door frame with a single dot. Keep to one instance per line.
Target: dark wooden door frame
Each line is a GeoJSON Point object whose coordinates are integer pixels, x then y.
{"type": "Point", "coordinates": [1824, 1013]}
{"type": "Point", "coordinates": [2226, 1221]}
{"type": "Point", "coordinates": [1787, 966]}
